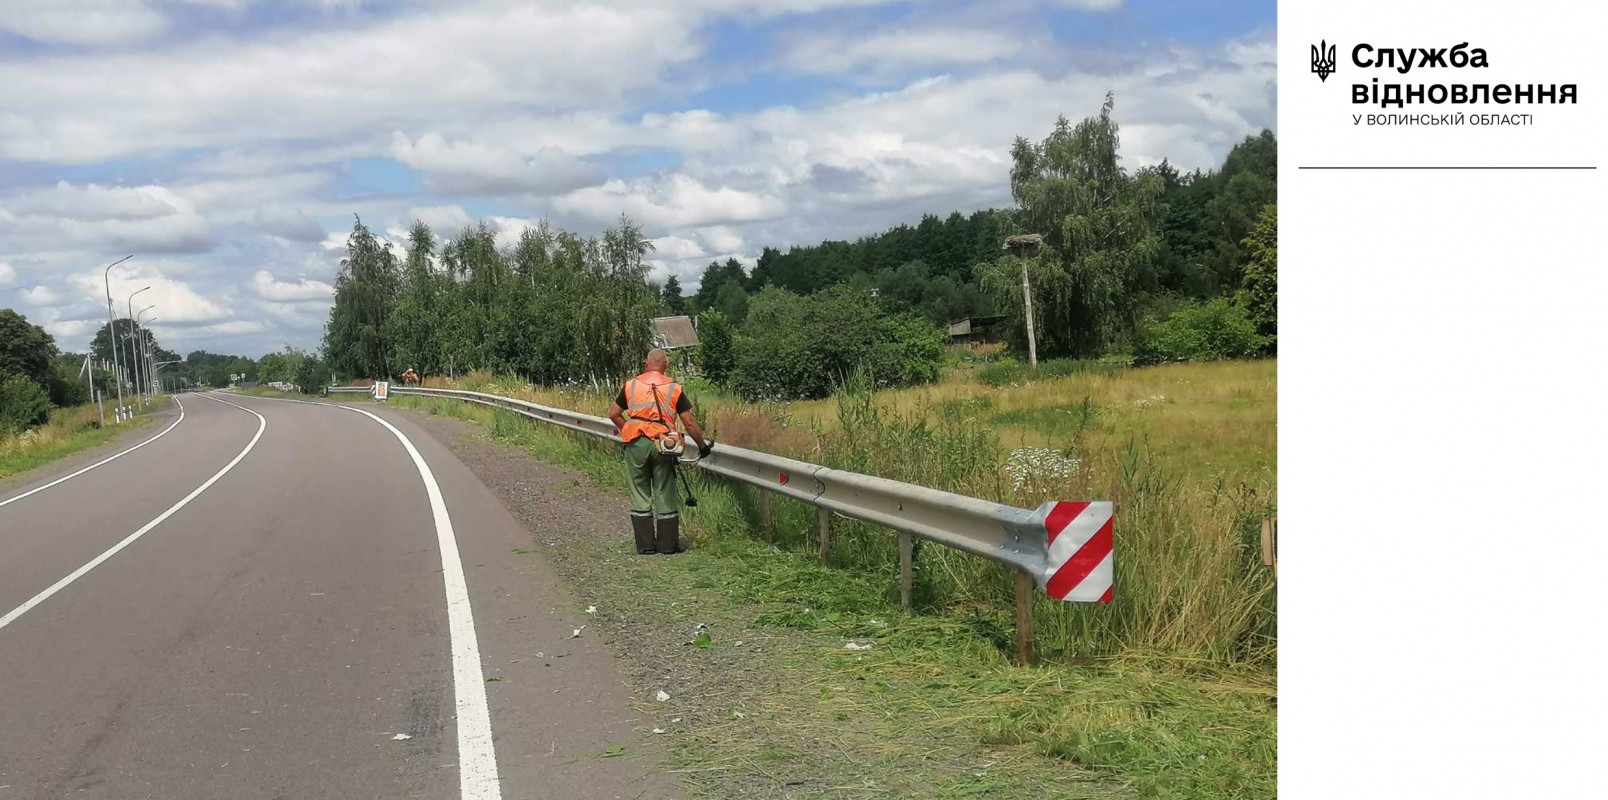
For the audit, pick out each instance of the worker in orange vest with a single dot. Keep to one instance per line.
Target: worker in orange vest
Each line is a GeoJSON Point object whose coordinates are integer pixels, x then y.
{"type": "Point", "coordinates": [410, 376]}
{"type": "Point", "coordinates": [645, 412]}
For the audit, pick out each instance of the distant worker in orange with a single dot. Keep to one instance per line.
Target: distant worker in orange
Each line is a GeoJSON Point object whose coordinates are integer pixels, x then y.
{"type": "Point", "coordinates": [645, 412]}
{"type": "Point", "coordinates": [410, 377]}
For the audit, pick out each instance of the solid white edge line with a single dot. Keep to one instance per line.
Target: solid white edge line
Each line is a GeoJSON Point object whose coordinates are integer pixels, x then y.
{"type": "Point", "coordinates": [262, 425]}
{"type": "Point", "coordinates": [477, 755]}
{"type": "Point", "coordinates": [164, 432]}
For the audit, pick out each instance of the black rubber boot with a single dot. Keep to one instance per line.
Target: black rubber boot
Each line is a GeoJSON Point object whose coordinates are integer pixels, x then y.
{"type": "Point", "coordinates": [642, 529]}
{"type": "Point", "coordinates": [669, 535]}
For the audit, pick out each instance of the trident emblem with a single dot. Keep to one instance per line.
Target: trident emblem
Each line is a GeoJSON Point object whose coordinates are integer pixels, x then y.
{"type": "Point", "coordinates": [1323, 59]}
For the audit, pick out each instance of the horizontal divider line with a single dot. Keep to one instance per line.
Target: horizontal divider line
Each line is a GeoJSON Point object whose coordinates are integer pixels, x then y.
{"type": "Point", "coordinates": [1436, 167]}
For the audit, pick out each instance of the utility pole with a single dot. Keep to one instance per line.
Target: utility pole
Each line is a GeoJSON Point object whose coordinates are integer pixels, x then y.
{"type": "Point", "coordinates": [1024, 247]}
{"type": "Point", "coordinates": [88, 371]}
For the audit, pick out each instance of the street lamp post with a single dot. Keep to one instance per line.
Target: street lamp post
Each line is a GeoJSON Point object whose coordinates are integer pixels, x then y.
{"type": "Point", "coordinates": [159, 366]}
{"type": "Point", "coordinates": [111, 331]}
{"type": "Point", "coordinates": [134, 331]}
{"type": "Point", "coordinates": [145, 351]}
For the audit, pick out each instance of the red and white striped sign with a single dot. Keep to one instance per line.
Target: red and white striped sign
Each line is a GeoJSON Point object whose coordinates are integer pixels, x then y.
{"type": "Point", "coordinates": [1080, 569]}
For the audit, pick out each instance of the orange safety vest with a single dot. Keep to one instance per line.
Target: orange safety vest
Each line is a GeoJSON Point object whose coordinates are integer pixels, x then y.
{"type": "Point", "coordinates": [650, 406]}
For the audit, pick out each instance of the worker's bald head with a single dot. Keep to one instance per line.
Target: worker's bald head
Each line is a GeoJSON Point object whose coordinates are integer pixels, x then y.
{"type": "Point", "coordinates": [657, 360]}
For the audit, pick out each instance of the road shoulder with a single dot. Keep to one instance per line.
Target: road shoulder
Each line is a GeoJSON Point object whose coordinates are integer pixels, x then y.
{"type": "Point", "coordinates": [563, 720]}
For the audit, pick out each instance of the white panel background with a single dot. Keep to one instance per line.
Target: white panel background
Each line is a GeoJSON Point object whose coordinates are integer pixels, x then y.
{"type": "Point", "coordinates": [1444, 419]}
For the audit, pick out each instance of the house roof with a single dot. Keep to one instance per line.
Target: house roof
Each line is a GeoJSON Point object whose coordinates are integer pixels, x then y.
{"type": "Point", "coordinates": [964, 327]}
{"type": "Point", "coordinates": [674, 333]}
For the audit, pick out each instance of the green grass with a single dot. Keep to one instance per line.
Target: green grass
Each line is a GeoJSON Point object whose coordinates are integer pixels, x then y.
{"type": "Point", "coordinates": [935, 708]}
{"type": "Point", "coordinates": [1186, 452]}
{"type": "Point", "coordinates": [69, 431]}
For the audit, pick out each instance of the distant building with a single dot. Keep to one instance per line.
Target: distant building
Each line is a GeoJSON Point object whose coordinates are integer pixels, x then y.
{"type": "Point", "coordinates": [674, 333]}
{"type": "Point", "coordinates": [974, 331]}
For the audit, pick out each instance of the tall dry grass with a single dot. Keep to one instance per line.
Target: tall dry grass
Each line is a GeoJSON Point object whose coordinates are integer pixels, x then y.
{"type": "Point", "coordinates": [67, 431]}
{"type": "Point", "coordinates": [1186, 452]}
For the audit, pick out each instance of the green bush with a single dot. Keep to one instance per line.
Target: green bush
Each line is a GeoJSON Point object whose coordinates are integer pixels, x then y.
{"type": "Point", "coordinates": [67, 389]}
{"type": "Point", "coordinates": [23, 404]}
{"type": "Point", "coordinates": [312, 374]}
{"type": "Point", "coordinates": [717, 347]}
{"type": "Point", "coordinates": [1210, 331]}
{"type": "Point", "coordinates": [795, 347]}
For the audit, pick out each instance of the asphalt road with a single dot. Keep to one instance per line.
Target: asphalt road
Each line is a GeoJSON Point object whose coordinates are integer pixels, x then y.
{"type": "Point", "coordinates": [286, 600]}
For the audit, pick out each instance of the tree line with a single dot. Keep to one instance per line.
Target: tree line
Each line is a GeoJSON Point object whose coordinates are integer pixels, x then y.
{"type": "Point", "coordinates": [1120, 248]}
{"type": "Point", "coordinates": [1152, 263]}
{"type": "Point", "coordinates": [556, 307]}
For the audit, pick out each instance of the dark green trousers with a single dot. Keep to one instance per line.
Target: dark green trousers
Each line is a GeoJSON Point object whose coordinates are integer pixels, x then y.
{"type": "Point", "coordinates": [651, 479]}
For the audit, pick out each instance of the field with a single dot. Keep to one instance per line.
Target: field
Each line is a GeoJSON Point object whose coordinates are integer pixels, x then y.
{"type": "Point", "coordinates": [1169, 692]}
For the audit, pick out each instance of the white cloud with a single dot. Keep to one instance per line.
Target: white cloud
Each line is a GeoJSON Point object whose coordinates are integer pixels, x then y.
{"type": "Point", "coordinates": [721, 239]}
{"type": "Point", "coordinates": [233, 328]}
{"type": "Point", "coordinates": [218, 92]}
{"type": "Point", "coordinates": [469, 168]}
{"type": "Point", "coordinates": [670, 201]}
{"type": "Point", "coordinates": [82, 21]}
{"type": "Point", "coordinates": [41, 296]}
{"type": "Point", "coordinates": [150, 218]}
{"type": "Point", "coordinates": [176, 302]}
{"type": "Point", "coordinates": [509, 229]}
{"type": "Point", "coordinates": [8, 273]}
{"type": "Point", "coordinates": [445, 221]}
{"type": "Point", "coordinates": [288, 222]}
{"type": "Point", "coordinates": [845, 52]}
{"type": "Point", "coordinates": [267, 287]}
{"type": "Point", "coordinates": [676, 248]}
{"type": "Point", "coordinates": [73, 328]}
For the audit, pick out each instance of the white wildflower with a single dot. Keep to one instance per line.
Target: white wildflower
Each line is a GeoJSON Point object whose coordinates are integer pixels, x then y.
{"type": "Point", "coordinates": [1036, 469]}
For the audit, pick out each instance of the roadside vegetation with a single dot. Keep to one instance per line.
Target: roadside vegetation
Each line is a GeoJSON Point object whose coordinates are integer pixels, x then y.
{"type": "Point", "coordinates": [1169, 691]}
{"type": "Point", "coordinates": [47, 410]}
{"type": "Point", "coordinates": [67, 431]}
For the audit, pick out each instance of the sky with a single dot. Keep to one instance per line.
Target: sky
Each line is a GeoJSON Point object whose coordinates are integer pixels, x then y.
{"type": "Point", "coordinates": [227, 144]}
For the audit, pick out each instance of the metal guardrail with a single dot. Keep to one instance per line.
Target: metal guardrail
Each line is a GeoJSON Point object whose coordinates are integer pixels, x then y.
{"type": "Point", "coordinates": [1064, 548]}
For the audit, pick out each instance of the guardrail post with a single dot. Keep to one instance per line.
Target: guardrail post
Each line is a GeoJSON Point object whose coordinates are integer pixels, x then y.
{"type": "Point", "coordinates": [765, 525]}
{"type": "Point", "coordinates": [823, 525]}
{"type": "Point", "coordinates": [1270, 532]}
{"type": "Point", "coordinates": [906, 571]}
{"type": "Point", "coordinates": [1025, 596]}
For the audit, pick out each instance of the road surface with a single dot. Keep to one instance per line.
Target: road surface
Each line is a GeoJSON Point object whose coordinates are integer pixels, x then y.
{"type": "Point", "coordinates": [274, 599]}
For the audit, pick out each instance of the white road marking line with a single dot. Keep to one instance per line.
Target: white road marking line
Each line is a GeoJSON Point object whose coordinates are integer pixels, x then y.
{"type": "Point", "coordinates": [477, 756]}
{"type": "Point", "coordinates": [164, 432]}
{"type": "Point", "coordinates": [262, 424]}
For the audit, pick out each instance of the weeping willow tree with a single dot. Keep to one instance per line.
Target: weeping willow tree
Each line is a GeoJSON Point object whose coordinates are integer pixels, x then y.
{"type": "Point", "coordinates": [555, 307]}
{"type": "Point", "coordinates": [1100, 239]}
